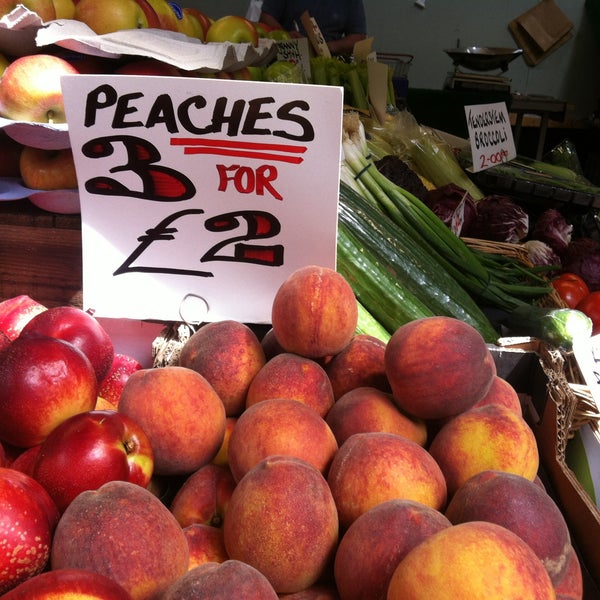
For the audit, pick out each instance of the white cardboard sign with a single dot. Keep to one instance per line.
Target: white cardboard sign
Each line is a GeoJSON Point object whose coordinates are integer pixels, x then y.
{"type": "Point", "coordinates": [200, 196]}
{"type": "Point", "coordinates": [490, 135]}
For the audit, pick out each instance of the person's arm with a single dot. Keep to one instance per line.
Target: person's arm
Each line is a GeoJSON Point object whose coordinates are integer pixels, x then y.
{"type": "Point", "coordinates": [345, 45]}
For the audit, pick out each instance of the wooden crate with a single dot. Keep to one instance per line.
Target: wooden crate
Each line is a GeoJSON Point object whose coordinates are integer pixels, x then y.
{"type": "Point", "coordinates": [40, 254]}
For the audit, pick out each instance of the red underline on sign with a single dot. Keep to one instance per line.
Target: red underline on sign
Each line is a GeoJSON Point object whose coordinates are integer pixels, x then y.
{"type": "Point", "coordinates": [241, 149]}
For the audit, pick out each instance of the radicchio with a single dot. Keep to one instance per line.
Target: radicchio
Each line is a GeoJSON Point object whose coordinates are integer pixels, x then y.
{"type": "Point", "coordinates": [583, 259]}
{"type": "Point", "coordinates": [541, 254]}
{"type": "Point", "coordinates": [445, 200]}
{"type": "Point", "coordinates": [499, 219]}
{"type": "Point", "coordinates": [552, 228]}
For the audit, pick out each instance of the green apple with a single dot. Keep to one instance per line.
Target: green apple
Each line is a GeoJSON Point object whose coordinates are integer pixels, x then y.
{"type": "Point", "coordinates": [234, 29]}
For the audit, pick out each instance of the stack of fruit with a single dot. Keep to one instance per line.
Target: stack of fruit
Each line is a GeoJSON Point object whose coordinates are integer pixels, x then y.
{"type": "Point", "coordinates": [308, 462]}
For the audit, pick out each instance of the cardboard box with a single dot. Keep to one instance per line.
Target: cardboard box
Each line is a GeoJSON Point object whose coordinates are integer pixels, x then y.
{"type": "Point", "coordinates": [537, 373]}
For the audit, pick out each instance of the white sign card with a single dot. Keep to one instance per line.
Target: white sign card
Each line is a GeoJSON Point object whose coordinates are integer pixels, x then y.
{"type": "Point", "coordinates": [200, 196]}
{"type": "Point", "coordinates": [490, 135]}
{"type": "Point", "coordinates": [587, 354]}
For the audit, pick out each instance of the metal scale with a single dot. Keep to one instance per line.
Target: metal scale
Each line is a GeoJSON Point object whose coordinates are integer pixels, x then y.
{"type": "Point", "coordinates": [480, 62]}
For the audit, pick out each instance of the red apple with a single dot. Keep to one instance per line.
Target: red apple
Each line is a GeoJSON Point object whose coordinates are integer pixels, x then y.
{"type": "Point", "coordinates": [167, 18]}
{"type": "Point", "coordinates": [68, 583]}
{"type": "Point", "coordinates": [25, 459]}
{"type": "Point", "coordinates": [113, 382]}
{"type": "Point", "coordinates": [43, 8]}
{"type": "Point", "coordinates": [234, 29]}
{"type": "Point", "coordinates": [81, 329]}
{"type": "Point", "coordinates": [26, 526]}
{"type": "Point", "coordinates": [116, 15]}
{"type": "Point", "coordinates": [43, 169]}
{"type": "Point", "coordinates": [3, 460]}
{"type": "Point", "coordinates": [90, 449]}
{"type": "Point", "coordinates": [202, 18]}
{"type": "Point", "coordinates": [30, 88]}
{"type": "Point", "coordinates": [15, 313]}
{"type": "Point", "coordinates": [43, 381]}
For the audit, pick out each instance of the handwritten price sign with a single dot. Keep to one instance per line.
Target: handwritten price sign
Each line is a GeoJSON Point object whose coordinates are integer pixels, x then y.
{"type": "Point", "coordinates": [201, 192]}
{"type": "Point", "coordinates": [490, 135]}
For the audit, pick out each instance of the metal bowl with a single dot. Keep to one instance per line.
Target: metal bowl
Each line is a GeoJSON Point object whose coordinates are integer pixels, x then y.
{"type": "Point", "coordinates": [478, 58]}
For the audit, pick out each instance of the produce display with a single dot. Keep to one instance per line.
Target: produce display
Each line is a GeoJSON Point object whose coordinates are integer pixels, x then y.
{"type": "Point", "coordinates": [359, 447]}
{"type": "Point", "coordinates": [328, 441]}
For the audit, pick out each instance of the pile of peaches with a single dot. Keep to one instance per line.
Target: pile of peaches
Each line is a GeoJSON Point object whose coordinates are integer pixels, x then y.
{"type": "Point", "coordinates": [307, 461]}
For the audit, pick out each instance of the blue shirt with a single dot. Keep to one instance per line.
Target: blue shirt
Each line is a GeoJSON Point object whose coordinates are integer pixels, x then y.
{"type": "Point", "coordinates": [335, 18]}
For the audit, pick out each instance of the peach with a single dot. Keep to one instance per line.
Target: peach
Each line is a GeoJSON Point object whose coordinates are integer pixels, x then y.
{"type": "Point", "coordinates": [283, 521]}
{"type": "Point", "coordinates": [221, 459]}
{"type": "Point", "coordinates": [526, 509]}
{"type": "Point", "coordinates": [280, 426]}
{"type": "Point", "coordinates": [181, 413]}
{"type": "Point", "coordinates": [314, 312]}
{"type": "Point", "coordinates": [501, 392]}
{"type": "Point", "coordinates": [438, 367]}
{"type": "Point", "coordinates": [68, 583]}
{"type": "Point", "coordinates": [270, 345]}
{"type": "Point", "coordinates": [377, 541]}
{"type": "Point", "coordinates": [366, 409]}
{"type": "Point", "coordinates": [221, 581]}
{"type": "Point", "coordinates": [228, 354]}
{"type": "Point", "coordinates": [487, 438]}
{"type": "Point", "coordinates": [360, 364]}
{"type": "Point", "coordinates": [292, 376]}
{"type": "Point", "coordinates": [205, 544]}
{"type": "Point", "coordinates": [475, 560]}
{"type": "Point", "coordinates": [570, 586]}
{"type": "Point", "coordinates": [124, 532]}
{"type": "Point", "coordinates": [370, 468]}
{"type": "Point", "coordinates": [318, 591]}
{"type": "Point", "coordinates": [203, 497]}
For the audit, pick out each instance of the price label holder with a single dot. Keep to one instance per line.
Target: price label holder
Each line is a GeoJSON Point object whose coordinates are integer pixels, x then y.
{"type": "Point", "coordinates": [490, 135]}
{"type": "Point", "coordinates": [200, 196]}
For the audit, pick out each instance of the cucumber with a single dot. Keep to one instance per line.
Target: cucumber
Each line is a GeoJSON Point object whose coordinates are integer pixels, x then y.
{"type": "Point", "coordinates": [406, 265]}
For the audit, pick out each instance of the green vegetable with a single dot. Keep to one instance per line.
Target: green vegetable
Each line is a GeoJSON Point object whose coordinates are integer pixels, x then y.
{"type": "Point", "coordinates": [504, 289]}
{"type": "Point", "coordinates": [407, 264]}
{"type": "Point", "coordinates": [369, 325]}
{"type": "Point", "coordinates": [558, 327]}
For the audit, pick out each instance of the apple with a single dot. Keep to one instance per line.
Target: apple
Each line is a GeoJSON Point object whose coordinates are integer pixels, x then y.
{"type": "Point", "coordinates": [113, 382]}
{"type": "Point", "coordinates": [43, 169]}
{"type": "Point", "coordinates": [25, 459]}
{"type": "Point", "coordinates": [234, 29]}
{"type": "Point", "coordinates": [278, 35]}
{"type": "Point", "coordinates": [148, 66]}
{"type": "Point", "coordinates": [89, 449]}
{"type": "Point", "coordinates": [68, 583]}
{"type": "Point", "coordinates": [3, 459]}
{"type": "Point", "coordinates": [15, 312]}
{"type": "Point", "coordinates": [43, 381]}
{"type": "Point", "coordinates": [28, 520]}
{"type": "Point", "coordinates": [10, 150]}
{"type": "Point", "coordinates": [202, 18]}
{"type": "Point", "coordinates": [30, 88]}
{"type": "Point", "coordinates": [43, 8]}
{"type": "Point", "coordinates": [65, 9]}
{"type": "Point", "coordinates": [126, 533]}
{"type": "Point", "coordinates": [109, 16]}
{"type": "Point", "coordinates": [167, 16]}
{"type": "Point", "coordinates": [81, 329]}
